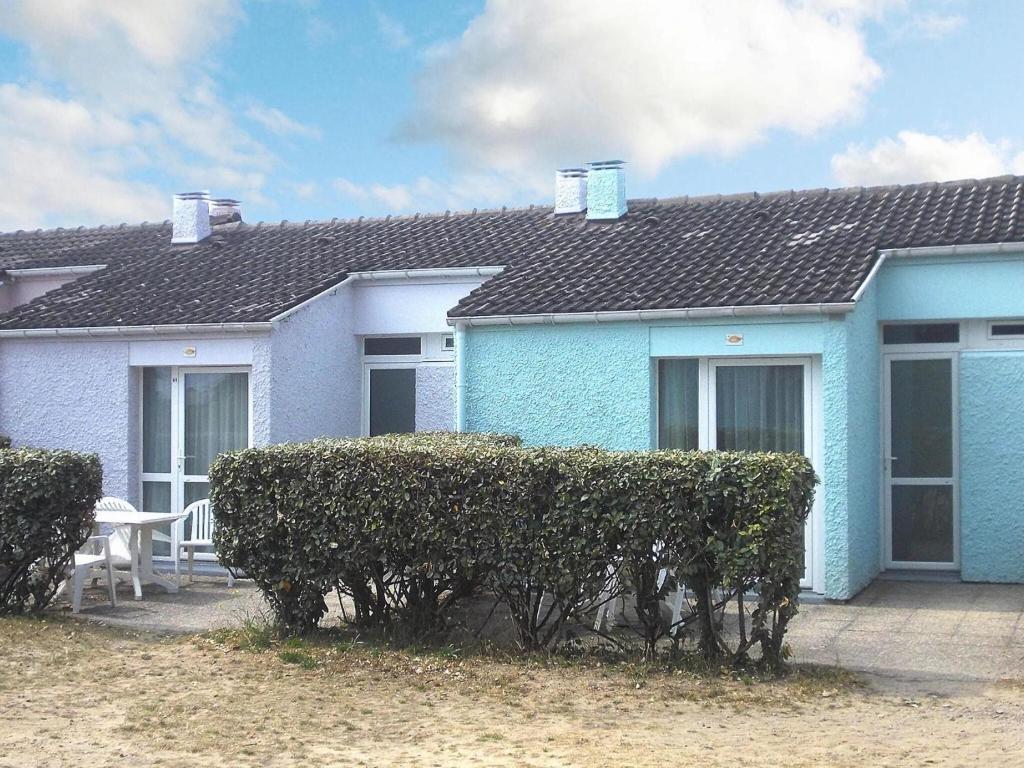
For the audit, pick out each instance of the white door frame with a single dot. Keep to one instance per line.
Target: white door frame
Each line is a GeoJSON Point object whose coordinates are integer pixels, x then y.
{"type": "Point", "coordinates": [810, 579]}
{"type": "Point", "coordinates": [814, 530]}
{"type": "Point", "coordinates": [888, 480]}
{"type": "Point", "coordinates": [177, 477]}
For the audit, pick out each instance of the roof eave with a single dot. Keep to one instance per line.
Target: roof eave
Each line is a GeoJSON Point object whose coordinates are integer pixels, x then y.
{"type": "Point", "coordinates": [650, 315]}
{"type": "Point", "coordinates": [189, 329]}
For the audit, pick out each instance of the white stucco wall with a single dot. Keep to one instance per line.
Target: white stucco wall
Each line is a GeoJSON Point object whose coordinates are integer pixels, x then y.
{"type": "Point", "coordinates": [435, 398]}
{"type": "Point", "coordinates": [78, 395]}
{"type": "Point", "coordinates": [315, 371]}
{"type": "Point", "coordinates": [406, 306]}
{"type": "Point", "coordinates": [13, 293]}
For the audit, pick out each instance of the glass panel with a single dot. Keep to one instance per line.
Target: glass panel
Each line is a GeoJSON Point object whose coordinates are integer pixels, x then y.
{"type": "Point", "coordinates": [216, 417]}
{"type": "Point", "coordinates": [678, 394]}
{"type": "Point", "coordinates": [1008, 329]}
{"type": "Point", "coordinates": [156, 497]}
{"type": "Point", "coordinates": [760, 408]}
{"type": "Point", "coordinates": [922, 523]}
{"type": "Point", "coordinates": [392, 400]}
{"type": "Point", "coordinates": [921, 333]}
{"type": "Point", "coordinates": [921, 407]}
{"type": "Point", "coordinates": [394, 345]}
{"type": "Point", "coordinates": [156, 419]}
{"type": "Point", "coordinates": [195, 492]}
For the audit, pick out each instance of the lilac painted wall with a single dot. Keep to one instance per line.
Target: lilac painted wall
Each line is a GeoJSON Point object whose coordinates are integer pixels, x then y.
{"type": "Point", "coordinates": [78, 395]}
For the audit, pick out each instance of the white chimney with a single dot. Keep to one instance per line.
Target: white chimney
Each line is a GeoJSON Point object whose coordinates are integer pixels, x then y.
{"type": "Point", "coordinates": [570, 190]}
{"type": "Point", "coordinates": [224, 210]}
{"type": "Point", "coordinates": [191, 221]}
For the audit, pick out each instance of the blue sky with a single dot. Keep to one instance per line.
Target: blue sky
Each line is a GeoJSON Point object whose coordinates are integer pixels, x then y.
{"type": "Point", "coordinates": [309, 109]}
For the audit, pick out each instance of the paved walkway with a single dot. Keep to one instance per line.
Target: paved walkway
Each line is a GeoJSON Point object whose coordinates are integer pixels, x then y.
{"type": "Point", "coordinates": [902, 632]}
{"type": "Point", "coordinates": [918, 632]}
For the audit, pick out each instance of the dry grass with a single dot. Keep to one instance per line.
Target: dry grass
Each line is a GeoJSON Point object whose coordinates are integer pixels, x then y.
{"type": "Point", "coordinates": [74, 694]}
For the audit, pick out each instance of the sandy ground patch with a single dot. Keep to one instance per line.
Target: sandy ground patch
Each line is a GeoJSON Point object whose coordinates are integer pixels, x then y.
{"type": "Point", "coordinates": [77, 694]}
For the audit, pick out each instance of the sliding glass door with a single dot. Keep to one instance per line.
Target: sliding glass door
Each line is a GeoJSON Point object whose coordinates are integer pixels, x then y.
{"type": "Point", "coordinates": [189, 416]}
{"type": "Point", "coordinates": [738, 404]}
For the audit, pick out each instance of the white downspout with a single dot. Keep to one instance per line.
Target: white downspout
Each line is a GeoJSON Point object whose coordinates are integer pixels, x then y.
{"type": "Point", "coordinates": [460, 377]}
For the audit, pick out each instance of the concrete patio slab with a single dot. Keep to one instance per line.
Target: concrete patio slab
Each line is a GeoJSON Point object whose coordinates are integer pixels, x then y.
{"type": "Point", "coordinates": [918, 631]}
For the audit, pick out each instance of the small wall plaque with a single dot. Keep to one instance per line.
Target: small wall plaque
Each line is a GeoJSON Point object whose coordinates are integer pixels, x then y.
{"type": "Point", "coordinates": [190, 351]}
{"type": "Point", "coordinates": [734, 339]}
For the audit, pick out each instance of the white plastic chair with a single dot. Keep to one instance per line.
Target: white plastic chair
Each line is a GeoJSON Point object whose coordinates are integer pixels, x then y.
{"type": "Point", "coordinates": [93, 555]}
{"type": "Point", "coordinates": [201, 535]}
{"type": "Point", "coordinates": [120, 550]}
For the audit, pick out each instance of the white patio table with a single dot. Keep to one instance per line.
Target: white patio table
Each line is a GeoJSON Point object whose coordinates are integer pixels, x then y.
{"type": "Point", "coordinates": [140, 543]}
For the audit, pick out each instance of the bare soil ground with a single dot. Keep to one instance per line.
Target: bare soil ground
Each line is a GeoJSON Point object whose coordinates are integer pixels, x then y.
{"type": "Point", "coordinates": [77, 694]}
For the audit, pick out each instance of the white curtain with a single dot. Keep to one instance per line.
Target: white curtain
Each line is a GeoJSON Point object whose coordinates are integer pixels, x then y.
{"type": "Point", "coordinates": [216, 417]}
{"type": "Point", "coordinates": [760, 408]}
{"type": "Point", "coordinates": [678, 398]}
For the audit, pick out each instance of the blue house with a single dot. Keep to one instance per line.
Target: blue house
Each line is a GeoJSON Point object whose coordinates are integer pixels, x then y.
{"type": "Point", "coordinates": [880, 331]}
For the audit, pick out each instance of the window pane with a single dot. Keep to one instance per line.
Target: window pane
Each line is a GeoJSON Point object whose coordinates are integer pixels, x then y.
{"type": "Point", "coordinates": [921, 415]}
{"type": "Point", "coordinates": [393, 345]}
{"type": "Point", "coordinates": [922, 523]}
{"type": "Point", "coordinates": [760, 408]}
{"type": "Point", "coordinates": [921, 333]}
{"type": "Point", "coordinates": [156, 497]}
{"type": "Point", "coordinates": [678, 393]}
{"type": "Point", "coordinates": [156, 419]}
{"type": "Point", "coordinates": [392, 400]}
{"type": "Point", "coordinates": [1008, 329]}
{"type": "Point", "coordinates": [216, 417]}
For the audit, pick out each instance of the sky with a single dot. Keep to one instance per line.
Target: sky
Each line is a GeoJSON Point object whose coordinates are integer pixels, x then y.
{"type": "Point", "coordinates": [311, 109]}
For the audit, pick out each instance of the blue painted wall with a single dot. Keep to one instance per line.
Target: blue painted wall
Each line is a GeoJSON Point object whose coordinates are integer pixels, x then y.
{"type": "Point", "coordinates": [992, 466]}
{"type": "Point", "coordinates": [768, 336]}
{"type": "Point", "coordinates": [921, 289]}
{"type": "Point", "coordinates": [561, 384]}
{"type": "Point", "coordinates": [850, 373]}
{"type": "Point", "coordinates": [592, 383]}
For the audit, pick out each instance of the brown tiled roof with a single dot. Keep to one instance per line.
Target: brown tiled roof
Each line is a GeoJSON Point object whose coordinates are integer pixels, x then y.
{"type": "Point", "coordinates": [806, 247]}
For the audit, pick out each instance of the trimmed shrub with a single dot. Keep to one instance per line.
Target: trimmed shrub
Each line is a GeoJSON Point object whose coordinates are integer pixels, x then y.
{"type": "Point", "coordinates": [408, 525]}
{"type": "Point", "coordinates": [5, 442]}
{"type": "Point", "coordinates": [46, 514]}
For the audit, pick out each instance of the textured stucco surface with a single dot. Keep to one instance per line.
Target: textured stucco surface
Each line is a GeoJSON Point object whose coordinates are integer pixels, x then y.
{"type": "Point", "coordinates": [435, 398]}
{"type": "Point", "coordinates": [77, 395]}
{"type": "Point", "coordinates": [992, 466]}
{"type": "Point", "coordinates": [850, 372]}
{"type": "Point", "coordinates": [314, 372]}
{"type": "Point", "coordinates": [917, 289]}
{"type": "Point", "coordinates": [561, 385]}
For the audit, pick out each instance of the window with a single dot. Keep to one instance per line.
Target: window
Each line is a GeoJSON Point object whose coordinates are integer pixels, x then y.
{"type": "Point", "coordinates": [392, 400]}
{"type": "Point", "coordinates": [759, 408]}
{"type": "Point", "coordinates": [921, 333]}
{"type": "Point", "coordinates": [449, 342]}
{"type": "Point", "coordinates": [678, 403]}
{"type": "Point", "coordinates": [1013, 330]}
{"type": "Point", "coordinates": [392, 345]}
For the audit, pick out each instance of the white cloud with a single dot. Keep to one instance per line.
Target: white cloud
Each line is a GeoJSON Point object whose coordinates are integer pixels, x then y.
{"type": "Point", "coordinates": [932, 26]}
{"type": "Point", "coordinates": [141, 74]}
{"type": "Point", "coordinates": [424, 194]}
{"type": "Point", "coordinates": [394, 34]}
{"type": "Point", "coordinates": [533, 84]}
{"type": "Point", "coordinates": [914, 157]}
{"type": "Point", "coordinates": [56, 155]}
{"type": "Point", "coordinates": [278, 123]}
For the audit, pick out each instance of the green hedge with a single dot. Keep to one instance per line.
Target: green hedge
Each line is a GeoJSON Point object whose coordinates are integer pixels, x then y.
{"type": "Point", "coordinates": [407, 526]}
{"type": "Point", "coordinates": [46, 514]}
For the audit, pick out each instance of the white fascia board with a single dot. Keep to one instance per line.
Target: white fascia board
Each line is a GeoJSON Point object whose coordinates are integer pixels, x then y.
{"type": "Point", "coordinates": [30, 273]}
{"type": "Point", "coordinates": [187, 329]}
{"type": "Point", "coordinates": [649, 315]}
